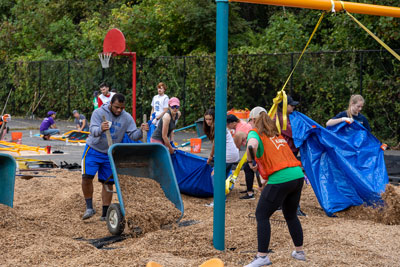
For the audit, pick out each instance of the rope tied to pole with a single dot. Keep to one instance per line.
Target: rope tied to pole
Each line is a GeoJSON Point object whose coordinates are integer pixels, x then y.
{"type": "Point", "coordinates": [281, 95]}
{"type": "Point", "coordinates": [391, 51]}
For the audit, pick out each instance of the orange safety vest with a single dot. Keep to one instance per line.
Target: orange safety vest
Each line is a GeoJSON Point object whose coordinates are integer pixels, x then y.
{"type": "Point", "coordinates": [277, 155]}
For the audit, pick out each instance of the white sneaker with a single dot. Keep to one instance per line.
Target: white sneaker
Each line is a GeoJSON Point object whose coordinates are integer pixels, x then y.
{"type": "Point", "coordinates": [259, 261]}
{"type": "Point", "coordinates": [299, 255]}
{"type": "Point", "coordinates": [210, 205]}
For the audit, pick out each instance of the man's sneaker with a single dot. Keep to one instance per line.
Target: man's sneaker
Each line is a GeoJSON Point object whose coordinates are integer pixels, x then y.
{"type": "Point", "coordinates": [259, 261]}
{"type": "Point", "coordinates": [299, 255]}
{"type": "Point", "coordinates": [300, 212]}
{"type": "Point", "coordinates": [247, 196]}
{"type": "Point", "coordinates": [88, 213]}
{"type": "Point", "coordinates": [103, 219]}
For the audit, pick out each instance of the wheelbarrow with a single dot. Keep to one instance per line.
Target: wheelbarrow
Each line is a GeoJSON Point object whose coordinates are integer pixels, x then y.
{"type": "Point", "coordinates": [147, 160]}
{"type": "Point", "coordinates": [7, 179]}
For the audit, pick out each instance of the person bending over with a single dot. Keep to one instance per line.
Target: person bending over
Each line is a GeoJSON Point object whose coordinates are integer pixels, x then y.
{"type": "Point", "coordinates": [277, 163]}
{"type": "Point", "coordinates": [48, 126]}
{"type": "Point", "coordinates": [80, 121]}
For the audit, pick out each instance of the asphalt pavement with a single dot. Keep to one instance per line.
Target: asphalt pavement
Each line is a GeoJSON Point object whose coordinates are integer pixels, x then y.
{"type": "Point", "coordinates": [72, 152]}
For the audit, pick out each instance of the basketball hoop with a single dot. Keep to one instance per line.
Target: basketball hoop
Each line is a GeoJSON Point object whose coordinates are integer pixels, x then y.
{"type": "Point", "coordinates": [105, 59]}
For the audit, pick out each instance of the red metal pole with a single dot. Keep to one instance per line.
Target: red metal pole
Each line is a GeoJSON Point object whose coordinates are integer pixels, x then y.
{"type": "Point", "coordinates": [132, 55]}
{"type": "Point", "coordinates": [133, 58]}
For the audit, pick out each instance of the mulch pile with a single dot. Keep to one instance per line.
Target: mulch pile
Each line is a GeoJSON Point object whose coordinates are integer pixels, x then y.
{"type": "Point", "coordinates": [387, 212]}
{"type": "Point", "coordinates": [45, 228]}
{"type": "Point", "coordinates": [146, 205]}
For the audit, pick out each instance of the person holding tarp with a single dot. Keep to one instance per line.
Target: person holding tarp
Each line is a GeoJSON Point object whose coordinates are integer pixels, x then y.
{"type": "Point", "coordinates": [232, 152]}
{"type": "Point", "coordinates": [352, 113]}
{"type": "Point", "coordinates": [95, 158]}
{"type": "Point", "coordinates": [288, 133]}
{"type": "Point", "coordinates": [277, 164]}
{"type": "Point", "coordinates": [164, 131]}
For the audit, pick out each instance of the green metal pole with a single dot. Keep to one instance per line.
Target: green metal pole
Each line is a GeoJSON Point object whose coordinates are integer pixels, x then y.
{"type": "Point", "coordinates": [221, 80]}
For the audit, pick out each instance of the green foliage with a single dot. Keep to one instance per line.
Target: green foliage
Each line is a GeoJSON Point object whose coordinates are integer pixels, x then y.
{"type": "Point", "coordinates": [50, 48]}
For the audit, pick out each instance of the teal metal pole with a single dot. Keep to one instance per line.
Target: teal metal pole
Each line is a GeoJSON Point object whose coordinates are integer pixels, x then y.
{"type": "Point", "coordinates": [221, 78]}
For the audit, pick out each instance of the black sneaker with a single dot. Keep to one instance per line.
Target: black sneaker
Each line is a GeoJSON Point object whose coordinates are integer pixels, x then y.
{"type": "Point", "coordinates": [247, 196]}
{"type": "Point", "coordinates": [300, 212]}
{"type": "Point", "coordinates": [244, 191]}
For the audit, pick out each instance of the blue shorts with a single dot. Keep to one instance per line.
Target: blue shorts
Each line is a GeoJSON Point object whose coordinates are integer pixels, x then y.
{"type": "Point", "coordinates": [94, 162]}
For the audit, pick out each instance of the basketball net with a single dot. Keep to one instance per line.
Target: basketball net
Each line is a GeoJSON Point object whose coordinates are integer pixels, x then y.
{"type": "Point", "coordinates": [105, 59]}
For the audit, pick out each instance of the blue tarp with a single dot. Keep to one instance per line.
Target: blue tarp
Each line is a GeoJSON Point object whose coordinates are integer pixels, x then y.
{"type": "Point", "coordinates": [344, 163]}
{"type": "Point", "coordinates": [193, 174]}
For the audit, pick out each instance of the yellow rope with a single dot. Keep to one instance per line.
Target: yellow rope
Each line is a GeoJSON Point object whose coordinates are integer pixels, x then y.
{"type": "Point", "coordinates": [373, 35]}
{"type": "Point", "coordinates": [281, 95]}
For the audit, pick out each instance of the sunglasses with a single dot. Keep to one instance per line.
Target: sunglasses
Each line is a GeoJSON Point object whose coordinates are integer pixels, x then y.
{"type": "Point", "coordinates": [175, 107]}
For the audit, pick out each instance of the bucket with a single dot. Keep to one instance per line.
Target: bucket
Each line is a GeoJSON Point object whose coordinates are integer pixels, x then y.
{"type": "Point", "coordinates": [239, 113]}
{"type": "Point", "coordinates": [16, 137]}
{"type": "Point", "coordinates": [195, 145]}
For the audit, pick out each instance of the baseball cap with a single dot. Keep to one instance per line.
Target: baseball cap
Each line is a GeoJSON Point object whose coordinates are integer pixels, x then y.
{"type": "Point", "coordinates": [174, 102]}
{"type": "Point", "coordinates": [231, 118]}
{"type": "Point", "coordinates": [50, 113]}
{"type": "Point", "coordinates": [255, 112]}
{"type": "Point", "coordinates": [75, 111]}
{"type": "Point", "coordinates": [290, 101]}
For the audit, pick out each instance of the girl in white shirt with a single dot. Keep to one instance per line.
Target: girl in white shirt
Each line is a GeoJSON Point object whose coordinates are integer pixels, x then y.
{"type": "Point", "coordinates": [159, 104]}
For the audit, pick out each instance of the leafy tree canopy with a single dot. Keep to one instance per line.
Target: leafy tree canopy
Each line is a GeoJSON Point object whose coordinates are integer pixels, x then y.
{"type": "Point", "coordinates": [74, 29]}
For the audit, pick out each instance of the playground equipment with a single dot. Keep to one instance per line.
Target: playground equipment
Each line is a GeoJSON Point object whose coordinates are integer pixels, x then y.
{"type": "Point", "coordinates": [17, 148]}
{"type": "Point", "coordinates": [221, 82]}
{"type": "Point", "coordinates": [7, 179]}
{"type": "Point", "coordinates": [73, 136]}
{"type": "Point", "coordinates": [114, 45]}
{"type": "Point", "coordinates": [140, 160]}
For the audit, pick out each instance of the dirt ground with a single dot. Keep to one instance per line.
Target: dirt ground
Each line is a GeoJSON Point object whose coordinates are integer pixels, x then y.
{"type": "Point", "coordinates": [43, 226]}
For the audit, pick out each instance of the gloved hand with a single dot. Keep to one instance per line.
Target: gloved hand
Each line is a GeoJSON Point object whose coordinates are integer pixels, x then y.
{"type": "Point", "coordinates": [348, 120]}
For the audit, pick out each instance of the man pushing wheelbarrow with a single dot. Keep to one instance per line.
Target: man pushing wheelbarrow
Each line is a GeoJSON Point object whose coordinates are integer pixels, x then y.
{"type": "Point", "coordinates": [103, 133]}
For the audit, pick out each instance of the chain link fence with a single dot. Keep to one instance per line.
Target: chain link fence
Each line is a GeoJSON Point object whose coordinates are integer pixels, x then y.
{"type": "Point", "coordinates": [322, 82]}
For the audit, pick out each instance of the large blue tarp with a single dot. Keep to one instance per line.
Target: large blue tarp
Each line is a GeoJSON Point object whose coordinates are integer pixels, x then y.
{"type": "Point", "coordinates": [344, 163]}
{"type": "Point", "coordinates": [193, 174]}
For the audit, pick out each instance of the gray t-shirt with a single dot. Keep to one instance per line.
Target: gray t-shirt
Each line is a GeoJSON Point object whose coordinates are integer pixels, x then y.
{"type": "Point", "coordinates": [80, 122]}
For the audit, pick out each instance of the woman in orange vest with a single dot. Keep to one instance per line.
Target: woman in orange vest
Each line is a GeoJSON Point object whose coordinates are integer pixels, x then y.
{"type": "Point", "coordinates": [282, 185]}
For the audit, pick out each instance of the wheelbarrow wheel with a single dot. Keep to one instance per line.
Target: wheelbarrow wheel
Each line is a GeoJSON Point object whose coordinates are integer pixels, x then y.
{"type": "Point", "coordinates": [115, 220]}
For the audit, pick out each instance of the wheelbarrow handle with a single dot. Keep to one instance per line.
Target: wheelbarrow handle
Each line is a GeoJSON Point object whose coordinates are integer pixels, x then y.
{"type": "Point", "coordinates": [108, 134]}
{"type": "Point", "coordinates": [106, 185]}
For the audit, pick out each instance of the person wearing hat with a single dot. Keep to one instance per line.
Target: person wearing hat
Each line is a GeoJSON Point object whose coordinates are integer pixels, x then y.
{"type": "Point", "coordinates": [48, 126]}
{"type": "Point", "coordinates": [287, 134]}
{"type": "Point", "coordinates": [283, 181]}
{"type": "Point", "coordinates": [241, 129]}
{"type": "Point", "coordinates": [80, 121]}
{"type": "Point", "coordinates": [164, 131]}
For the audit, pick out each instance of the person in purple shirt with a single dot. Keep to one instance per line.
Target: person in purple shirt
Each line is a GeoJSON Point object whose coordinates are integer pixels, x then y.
{"type": "Point", "coordinates": [48, 126]}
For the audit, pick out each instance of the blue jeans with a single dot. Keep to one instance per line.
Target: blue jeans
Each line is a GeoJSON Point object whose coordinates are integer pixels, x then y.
{"type": "Point", "coordinates": [50, 132]}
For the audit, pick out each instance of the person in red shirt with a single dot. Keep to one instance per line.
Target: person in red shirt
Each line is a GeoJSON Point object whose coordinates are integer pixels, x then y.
{"type": "Point", "coordinates": [105, 96]}
{"type": "Point", "coordinates": [240, 128]}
